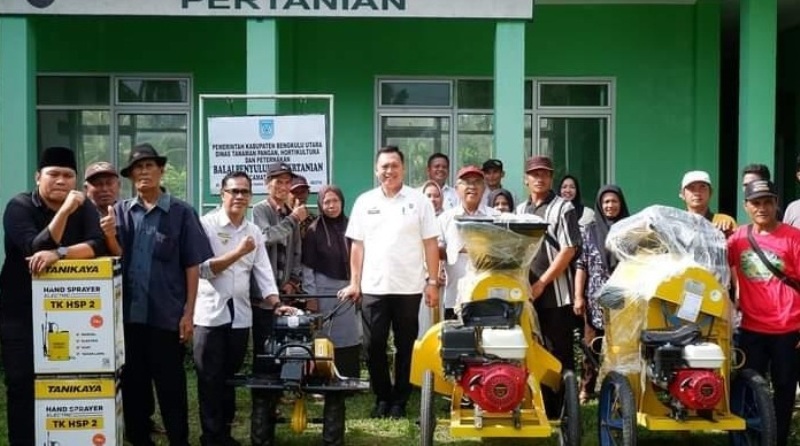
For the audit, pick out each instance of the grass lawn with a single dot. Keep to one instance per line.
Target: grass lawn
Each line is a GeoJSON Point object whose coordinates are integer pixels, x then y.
{"type": "Point", "coordinates": [363, 431]}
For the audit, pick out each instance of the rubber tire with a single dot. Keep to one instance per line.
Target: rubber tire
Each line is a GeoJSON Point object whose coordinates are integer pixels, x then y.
{"type": "Point", "coordinates": [570, 411]}
{"type": "Point", "coordinates": [616, 387]}
{"type": "Point", "coordinates": [263, 422]}
{"type": "Point", "coordinates": [427, 416]}
{"type": "Point", "coordinates": [749, 383]}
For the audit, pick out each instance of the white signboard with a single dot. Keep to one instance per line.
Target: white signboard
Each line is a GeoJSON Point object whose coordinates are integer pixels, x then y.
{"type": "Point", "coordinates": [475, 9]}
{"type": "Point", "coordinates": [251, 143]}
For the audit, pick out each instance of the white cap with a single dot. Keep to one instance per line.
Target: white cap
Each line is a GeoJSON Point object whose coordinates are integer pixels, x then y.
{"type": "Point", "coordinates": [695, 176]}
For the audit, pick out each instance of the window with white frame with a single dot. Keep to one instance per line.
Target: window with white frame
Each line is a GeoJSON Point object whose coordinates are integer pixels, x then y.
{"type": "Point", "coordinates": [574, 121]}
{"type": "Point", "coordinates": [102, 116]}
{"type": "Point", "coordinates": [455, 116]}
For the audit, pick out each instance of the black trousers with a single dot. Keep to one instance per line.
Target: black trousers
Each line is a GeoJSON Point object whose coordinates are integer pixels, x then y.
{"type": "Point", "coordinates": [776, 355]}
{"type": "Point", "coordinates": [153, 355]}
{"type": "Point", "coordinates": [557, 325]}
{"type": "Point", "coordinates": [16, 337]}
{"type": "Point", "coordinates": [218, 355]}
{"type": "Point", "coordinates": [379, 313]}
{"type": "Point", "coordinates": [264, 402]}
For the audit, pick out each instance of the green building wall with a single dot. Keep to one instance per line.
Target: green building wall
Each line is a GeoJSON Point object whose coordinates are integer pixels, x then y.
{"type": "Point", "coordinates": [660, 128]}
{"type": "Point", "coordinates": [664, 59]}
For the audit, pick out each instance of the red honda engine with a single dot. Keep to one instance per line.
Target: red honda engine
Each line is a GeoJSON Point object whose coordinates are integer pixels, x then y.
{"type": "Point", "coordinates": [495, 387]}
{"type": "Point", "coordinates": [697, 389]}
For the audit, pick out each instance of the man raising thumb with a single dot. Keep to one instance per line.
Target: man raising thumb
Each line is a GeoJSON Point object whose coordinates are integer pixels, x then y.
{"type": "Point", "coordinates": [101, 185]}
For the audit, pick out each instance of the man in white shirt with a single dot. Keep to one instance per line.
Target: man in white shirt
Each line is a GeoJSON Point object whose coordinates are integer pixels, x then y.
{"type": "Point", "coordinates": [470, 186]}
{"type": "Point", "coordinates": [394, 231]}
{"type": "Point", "coordinates": [438, 171]}
{"type": "Point", "coordinates": [223, 316]}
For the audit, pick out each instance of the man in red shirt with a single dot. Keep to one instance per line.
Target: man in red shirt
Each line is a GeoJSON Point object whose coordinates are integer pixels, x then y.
{"type": "Point", "coordinates": [770, 305]}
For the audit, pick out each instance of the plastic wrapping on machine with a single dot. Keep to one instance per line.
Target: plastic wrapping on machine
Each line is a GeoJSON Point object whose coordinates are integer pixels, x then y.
{"type": "Point", "coordinates": [653, 246]}
{"type": "Point", "coordinates": [506, 242]}
{"type": "Point", "coordinates": [500, 251]}
{"type": "Point", "coordinates": [667, 230]}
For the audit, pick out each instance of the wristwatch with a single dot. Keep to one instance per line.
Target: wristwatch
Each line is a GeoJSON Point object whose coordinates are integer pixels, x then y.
{"type": "Point", "coordinates": [433, 282]}
{"type": "Point", "coordinates": [62, 252]}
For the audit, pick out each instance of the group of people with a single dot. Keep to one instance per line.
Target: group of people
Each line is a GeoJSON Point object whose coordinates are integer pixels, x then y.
{"type": "Point", "coordinates": [204, 280]}
{"type": "Point", "coordinates": [218, 279]}
{"type": "Point", "coordinates": [573, 264]}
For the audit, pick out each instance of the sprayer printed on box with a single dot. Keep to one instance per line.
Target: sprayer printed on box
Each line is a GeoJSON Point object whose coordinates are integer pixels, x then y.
{"type": "Point", "coordinates": [78, 412]}
{"type": "Point", "coordinates": [78, 319]}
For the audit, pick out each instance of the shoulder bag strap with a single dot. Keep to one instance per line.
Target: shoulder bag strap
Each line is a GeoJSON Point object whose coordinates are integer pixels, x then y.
{"type": "Point", "coordinates": [772, 268]}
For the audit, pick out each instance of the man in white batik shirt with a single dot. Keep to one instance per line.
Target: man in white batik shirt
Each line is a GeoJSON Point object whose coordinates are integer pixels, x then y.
{"type": "Point", "coordinates": [223, 315]}
{"type": "Point", "coordinates": [470, 186]}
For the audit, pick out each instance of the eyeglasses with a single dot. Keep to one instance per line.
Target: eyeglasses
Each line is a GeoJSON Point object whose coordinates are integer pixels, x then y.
{"type": "Point", "coordinates": [472, 182]}
{"type": "Point", "coordinates": [235, 192]}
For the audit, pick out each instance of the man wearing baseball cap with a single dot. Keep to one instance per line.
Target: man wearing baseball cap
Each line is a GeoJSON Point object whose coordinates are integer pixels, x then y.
{"type": "Point", "coordinates": [298, 196]}
{"type": "Point", "coordinates": [280, 225]}
{"type": "Point", "coordinates": [493, 175]}
{"type": "Point", "coordinates": [101, 185]}
{"type": "Point", "coordinates": [551, 276]}
{"type": "Point", "coordinates": [765, 257]}
{"type": "Point", "coordinates": [470, 185]}
{"type": "Point", "coordinates": [696, 192]}
{"type": "Point", "coordinates": [52, 222]}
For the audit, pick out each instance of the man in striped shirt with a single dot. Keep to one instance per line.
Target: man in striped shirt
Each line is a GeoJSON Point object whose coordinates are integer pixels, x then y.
{"type": "Point", "coordinates": [550, 274]}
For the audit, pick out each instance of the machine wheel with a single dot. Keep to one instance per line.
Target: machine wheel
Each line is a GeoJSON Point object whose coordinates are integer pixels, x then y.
{"type": "Point", "coordinates": [616, 412]}
{"type": "Point", "coordinates": [751, 400]}
{"type": "Point", "coordinates": [570, 411]}
{"type": "Point", "coordinates": [427, 416]}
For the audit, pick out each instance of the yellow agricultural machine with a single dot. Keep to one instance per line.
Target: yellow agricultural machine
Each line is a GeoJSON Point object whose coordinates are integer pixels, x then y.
{"type": "Point", "coordinates": [491, 362]}
{"type": "Point", "coordinates": [668, 356]}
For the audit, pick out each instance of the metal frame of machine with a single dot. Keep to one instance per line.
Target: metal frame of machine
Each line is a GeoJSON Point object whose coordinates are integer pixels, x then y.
{"type": "Point", "coordinates": [491, 362]}
{"type": "Point", "coordinates": [668, 358]}
{"type": "Point", "coordinates": [301, 364]}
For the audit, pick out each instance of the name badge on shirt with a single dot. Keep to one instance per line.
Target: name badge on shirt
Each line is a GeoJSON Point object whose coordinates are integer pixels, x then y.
{"type": "Point", "coordinates": [373, 211]}
{"type": "Point", "coordinates": [224, 237]}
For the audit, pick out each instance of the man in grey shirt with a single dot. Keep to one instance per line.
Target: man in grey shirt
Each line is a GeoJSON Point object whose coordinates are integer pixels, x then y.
{"type": "Point", "coordinates": [280, 226]}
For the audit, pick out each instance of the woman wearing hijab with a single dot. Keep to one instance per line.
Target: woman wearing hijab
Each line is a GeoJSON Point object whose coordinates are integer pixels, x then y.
{"type": "Point", "coordinates": [501, 200]}
{"type": "Point", "coordinates": [570, 190]}
{"type": "Point", "coordinates": [594, 266]}
{"type": "Point", "coordinates": [433, 191]}
{"type": "Point", "coordinates": [326, 270]}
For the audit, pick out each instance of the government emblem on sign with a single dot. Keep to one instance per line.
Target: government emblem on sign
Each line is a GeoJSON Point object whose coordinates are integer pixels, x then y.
{"type": "Point", "coordinates": [266, 128]}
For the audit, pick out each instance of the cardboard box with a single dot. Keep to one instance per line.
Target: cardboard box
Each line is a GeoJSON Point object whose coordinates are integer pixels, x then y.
{"type": "Point", "coordinates": [77, 317]}
{"type": "Point", "coordinates": [75, 412]}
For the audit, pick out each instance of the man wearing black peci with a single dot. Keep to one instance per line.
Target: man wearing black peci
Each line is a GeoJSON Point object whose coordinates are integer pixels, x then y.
{"type": "Point", "coordinates": [52, 222]}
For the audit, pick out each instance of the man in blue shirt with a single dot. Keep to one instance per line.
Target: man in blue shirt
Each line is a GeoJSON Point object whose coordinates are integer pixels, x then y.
{"type": "Point", "coordinates": [163, 246]}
